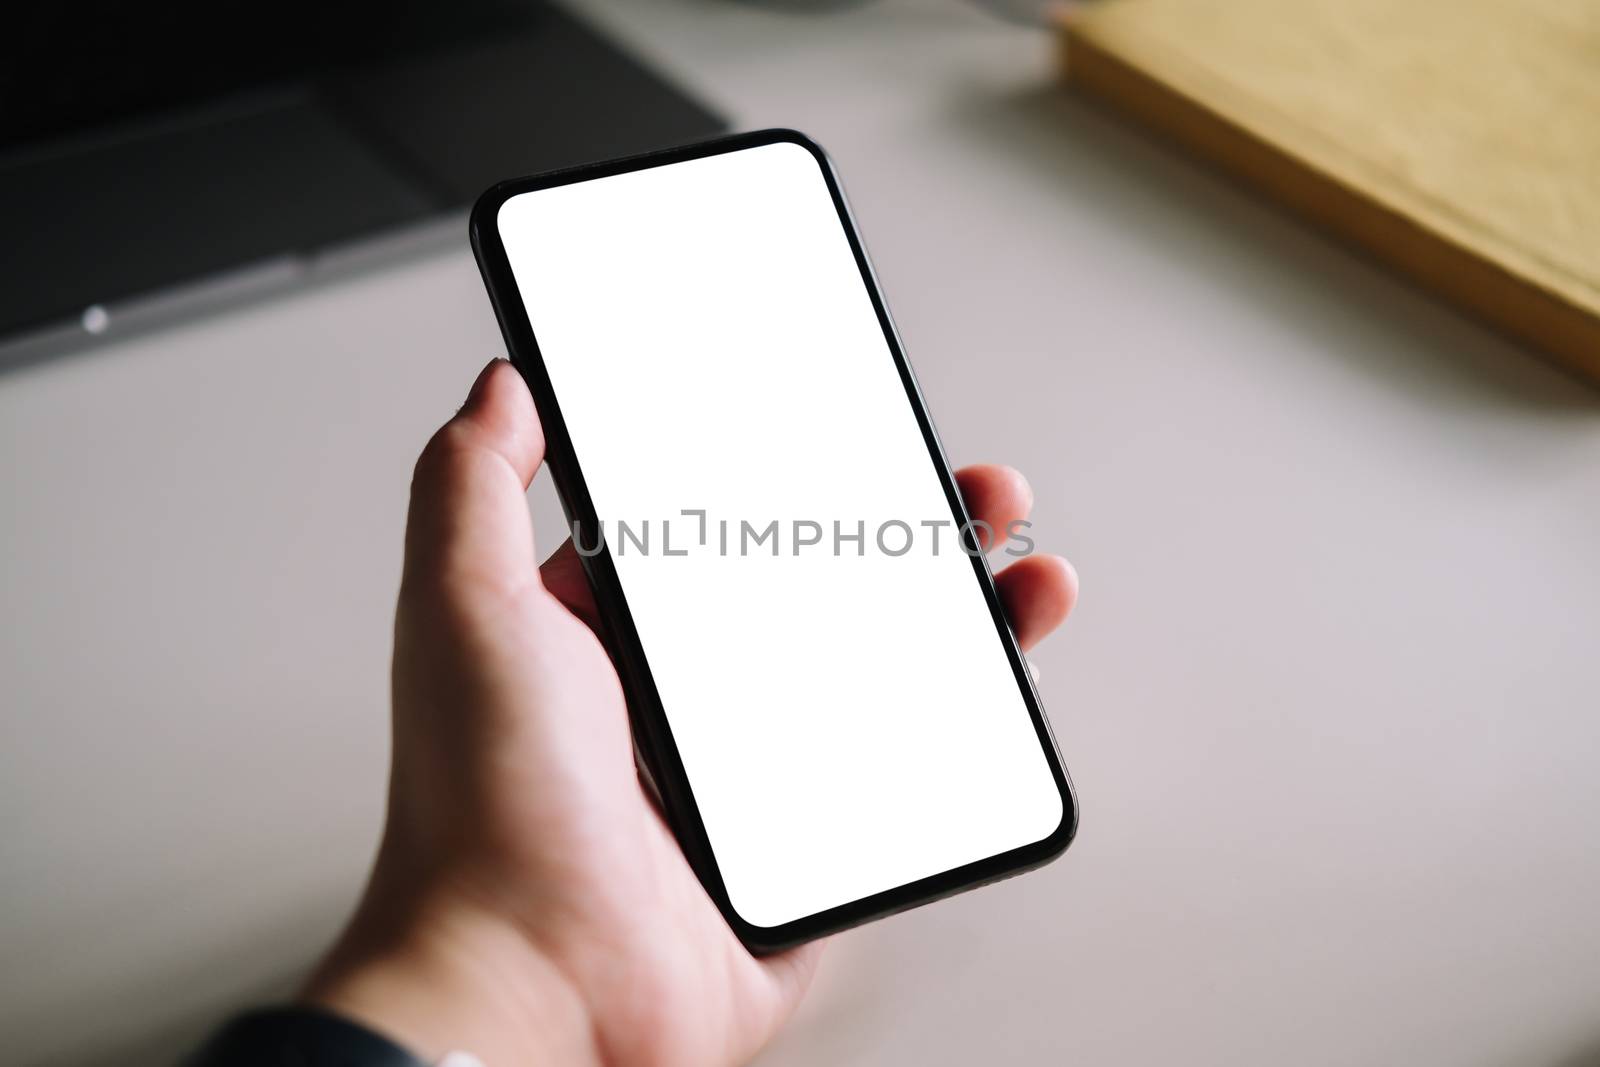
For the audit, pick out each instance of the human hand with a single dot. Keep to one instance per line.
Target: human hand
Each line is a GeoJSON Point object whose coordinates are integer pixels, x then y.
{"type": "Point", "coordinates": [528, 904]}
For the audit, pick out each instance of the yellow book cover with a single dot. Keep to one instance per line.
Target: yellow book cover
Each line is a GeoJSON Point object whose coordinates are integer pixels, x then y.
{"type": "Point", "coordinates": [1458, 140]}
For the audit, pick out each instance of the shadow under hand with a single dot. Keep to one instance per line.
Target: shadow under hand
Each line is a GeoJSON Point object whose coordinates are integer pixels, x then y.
{"type": "Point", "coordinates": [165, 1014]}
{"type": "Point", "coordinates": [1586, 1055]}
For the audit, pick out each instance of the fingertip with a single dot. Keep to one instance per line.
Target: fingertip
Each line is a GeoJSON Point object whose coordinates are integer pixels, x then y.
{"type": "Point", "coordinates": [480, 385]}
{"type": "Point", "coordinates": [1017, 486]}
{"type": "Point", "coordinates": [1067, 576]}
{"type": "Point", "coordinates": [1039, 592]}
{"type": "Point", "coordinates": [468, 525]}
{"type": "Point", "coordinates": [996, 495]}
{"type": "Point", "coordinates": [499, 414]}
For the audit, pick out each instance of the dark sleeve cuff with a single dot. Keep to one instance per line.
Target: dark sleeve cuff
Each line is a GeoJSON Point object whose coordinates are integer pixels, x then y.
{"type": "Point", "coordinates": [298, 1037]}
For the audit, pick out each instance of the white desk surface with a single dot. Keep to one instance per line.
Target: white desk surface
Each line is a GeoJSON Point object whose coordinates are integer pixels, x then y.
{"type": "Point", "coordinates": [1332, 695]}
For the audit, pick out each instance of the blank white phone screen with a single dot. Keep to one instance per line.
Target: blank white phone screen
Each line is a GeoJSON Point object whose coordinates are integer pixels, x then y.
{"type": "Point", "coordinates": [845, 710]}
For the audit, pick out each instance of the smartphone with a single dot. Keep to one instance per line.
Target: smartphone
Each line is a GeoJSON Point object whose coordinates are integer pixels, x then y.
{"type": "Point", "coordinates": [825, 692]}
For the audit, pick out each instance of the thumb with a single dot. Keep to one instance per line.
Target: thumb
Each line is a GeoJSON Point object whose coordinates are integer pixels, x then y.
{"type": "Point", "coordinates": [469, 529]}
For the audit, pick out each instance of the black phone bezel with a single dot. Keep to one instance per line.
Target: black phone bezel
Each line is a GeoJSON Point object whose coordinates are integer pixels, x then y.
{"type": "Point", "coordinates": [652, 733]}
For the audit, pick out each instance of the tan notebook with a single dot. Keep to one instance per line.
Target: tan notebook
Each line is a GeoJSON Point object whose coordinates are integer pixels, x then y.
{"type": "Point", "coordinates": [1457, 139]}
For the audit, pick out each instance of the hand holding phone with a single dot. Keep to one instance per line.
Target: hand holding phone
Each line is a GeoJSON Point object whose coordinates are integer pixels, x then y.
{"type": "Point", "coordinates": [528, 902]}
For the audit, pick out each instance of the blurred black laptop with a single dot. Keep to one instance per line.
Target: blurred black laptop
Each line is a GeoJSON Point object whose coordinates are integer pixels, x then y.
{"type": "Point", "coordinates": [158, 157]}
